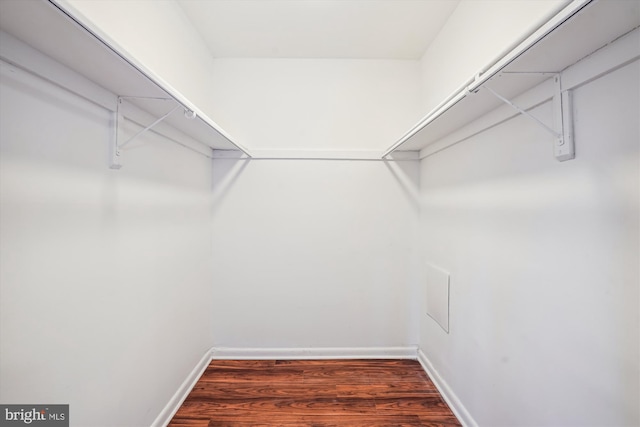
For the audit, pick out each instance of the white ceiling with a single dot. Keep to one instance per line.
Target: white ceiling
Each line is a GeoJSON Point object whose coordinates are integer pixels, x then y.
{"type": "Point", "coordinates": [373, 29]}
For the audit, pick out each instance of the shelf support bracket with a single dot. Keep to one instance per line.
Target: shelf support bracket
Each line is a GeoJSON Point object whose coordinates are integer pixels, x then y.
{"type": "Point", "coordinates": [562, 130]}
{"type": "Point", "coordinates": [564, 148]}
{"type": "Point", "coordinates": [118, 141]}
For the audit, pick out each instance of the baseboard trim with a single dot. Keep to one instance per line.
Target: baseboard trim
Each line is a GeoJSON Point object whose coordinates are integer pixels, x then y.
{"type": "Point", "coordinates": [170, 409]}
{"type": "Point", "coordinates": [316, 353]}
{"type": "Point", "coordinates": [447, 394]}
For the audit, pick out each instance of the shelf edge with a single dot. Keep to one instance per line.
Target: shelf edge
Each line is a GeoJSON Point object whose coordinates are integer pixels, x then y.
{"type": "Point", "coordinates": [80, 19]}
{"type": "Point", "coordinates": [619, 53]}
{"type": "Point", "coordinates": [474, 83]}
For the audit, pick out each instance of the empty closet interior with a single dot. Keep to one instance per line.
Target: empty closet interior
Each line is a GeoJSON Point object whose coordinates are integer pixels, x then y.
{"type": "Point", "coordinates": [452, 181]}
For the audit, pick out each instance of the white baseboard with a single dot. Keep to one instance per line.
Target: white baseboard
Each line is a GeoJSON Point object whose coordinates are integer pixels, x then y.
{"type": "Point", "coordinates": [447, 394]}
{"type": "Point", "coordinates": [170, 409]}
{"type": "Point", "coordinates": [316, 353]}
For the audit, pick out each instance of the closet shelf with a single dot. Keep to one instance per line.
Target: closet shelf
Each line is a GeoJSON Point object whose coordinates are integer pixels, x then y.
{"type": "Point", "coordinates": [581, 28]}
{"type": "Point", "coordinates": [56, 29]}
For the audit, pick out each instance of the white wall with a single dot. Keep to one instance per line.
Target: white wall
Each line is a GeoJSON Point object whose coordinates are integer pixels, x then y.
{"type": "Point", "coordinates": [478, 33]}
{"type": "Point", "coordinates": [109, 275]}
{"type": "Point", "coordinates": [313, 254]}
{"type": "Point", "coordinates": [544, 323]}
{"type": "Point", "coordinates": [158, 35]}
{"type": "Point", "coordinates": [315, 104]}
{"type": "Point", "coordinates": [105, 276]}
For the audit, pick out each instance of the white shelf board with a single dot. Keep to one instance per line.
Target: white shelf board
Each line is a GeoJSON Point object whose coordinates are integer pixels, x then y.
{"type": "Point", "coordinates": [44, 27]}
{"type": "Point", "coordinates": [593, 27]}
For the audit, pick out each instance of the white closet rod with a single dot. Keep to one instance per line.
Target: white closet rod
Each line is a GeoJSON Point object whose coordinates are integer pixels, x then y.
{"type": "Point", "coordinates": [68, 10]}
{"type": "Point", "coordinates": [474, 83]}
{"type": "Point", "coordinates": [137, 121]}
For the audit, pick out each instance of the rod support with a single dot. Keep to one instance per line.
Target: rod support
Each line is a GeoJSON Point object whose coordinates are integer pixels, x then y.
{"type": "Point", "coordinates": [562, 130]}
{"type": "Point", "coordinates": [118, 141]}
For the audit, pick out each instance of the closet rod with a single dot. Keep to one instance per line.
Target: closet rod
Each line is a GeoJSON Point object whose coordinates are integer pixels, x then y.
{"type": "Point", "coordinates": [71, 12]}
{"type": "Point", "coordinates": [473, 84]}
{"type": "Point", "coordinates": [43, 77]}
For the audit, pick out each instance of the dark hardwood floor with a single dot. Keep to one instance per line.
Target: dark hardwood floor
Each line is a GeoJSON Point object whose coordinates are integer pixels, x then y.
{"type": "Point", "coordinates": [294, 393]}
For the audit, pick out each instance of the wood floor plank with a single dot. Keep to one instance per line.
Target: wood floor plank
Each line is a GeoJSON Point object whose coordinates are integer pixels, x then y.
{"type": "Point", "coordinates": [365, 375]}
{"type": "Point", "coordinates": [261, 389]}
{"type": "Point", "coordinates": [325, 421]}
{"type": "Point", "coordinates": [422, 406]}
{"type": "Point", "coordinates": [293, 406]}
{"type": "Point", "coordinates": [242, 364]}
{"type": "Point", "coordinates": [216, 374]}
{"type": "Point", "coordinates": [363, 363]}
{"type": "Point", "coordinates": [399, 390]}
{"type": "Point", "coordinates": [439, 421]}
{"type": "Point", "coordinates": [294, 393]}
{"type": "Point", "coordinates": [189, 422]}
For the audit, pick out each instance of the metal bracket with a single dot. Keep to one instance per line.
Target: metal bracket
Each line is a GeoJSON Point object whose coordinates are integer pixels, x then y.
{"type": "Point", "coordinates": [562, 131]}
{"type": "Point", "coordinates": [564, 148]}
{"type": "Point", "coordinates": [118, 141]}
